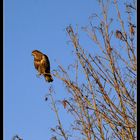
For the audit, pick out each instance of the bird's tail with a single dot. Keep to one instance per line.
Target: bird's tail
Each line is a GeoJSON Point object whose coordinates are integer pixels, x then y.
{"type": "Point", "coordinates": [48, 77]}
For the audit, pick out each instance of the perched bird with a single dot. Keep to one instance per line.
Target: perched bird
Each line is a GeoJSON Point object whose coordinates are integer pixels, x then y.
{"type": "Point", "coordinates": [42, 64]}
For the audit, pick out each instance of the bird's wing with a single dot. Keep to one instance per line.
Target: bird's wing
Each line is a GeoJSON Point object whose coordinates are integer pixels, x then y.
{"type": "Point", "coordinates": [36, 64]}
{"type": "Point", "coordinates": [46, 63]}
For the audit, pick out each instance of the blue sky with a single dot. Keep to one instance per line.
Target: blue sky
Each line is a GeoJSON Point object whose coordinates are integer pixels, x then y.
{"type": "Point", "coordinates": [30, 25]}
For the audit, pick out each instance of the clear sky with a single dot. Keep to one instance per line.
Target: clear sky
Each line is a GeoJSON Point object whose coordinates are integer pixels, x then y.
{"type": "Point", "coordinates": [30, 25]}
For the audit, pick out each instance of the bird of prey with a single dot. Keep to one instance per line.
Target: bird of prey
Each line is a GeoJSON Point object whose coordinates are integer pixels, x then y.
{"type": "Point", "coordinates": [42, 64]}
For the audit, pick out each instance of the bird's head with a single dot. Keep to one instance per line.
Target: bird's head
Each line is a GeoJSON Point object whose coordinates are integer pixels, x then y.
{"type": "Point", "coordinates": [35, 53]}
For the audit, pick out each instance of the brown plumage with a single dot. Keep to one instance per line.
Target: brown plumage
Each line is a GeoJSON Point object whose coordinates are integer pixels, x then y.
{"type": "Point", "coordinates": [42, 64]}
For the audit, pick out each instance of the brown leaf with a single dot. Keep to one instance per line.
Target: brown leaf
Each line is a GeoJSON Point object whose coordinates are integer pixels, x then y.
{"type": "Point", "coordinates": [64, 102]}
